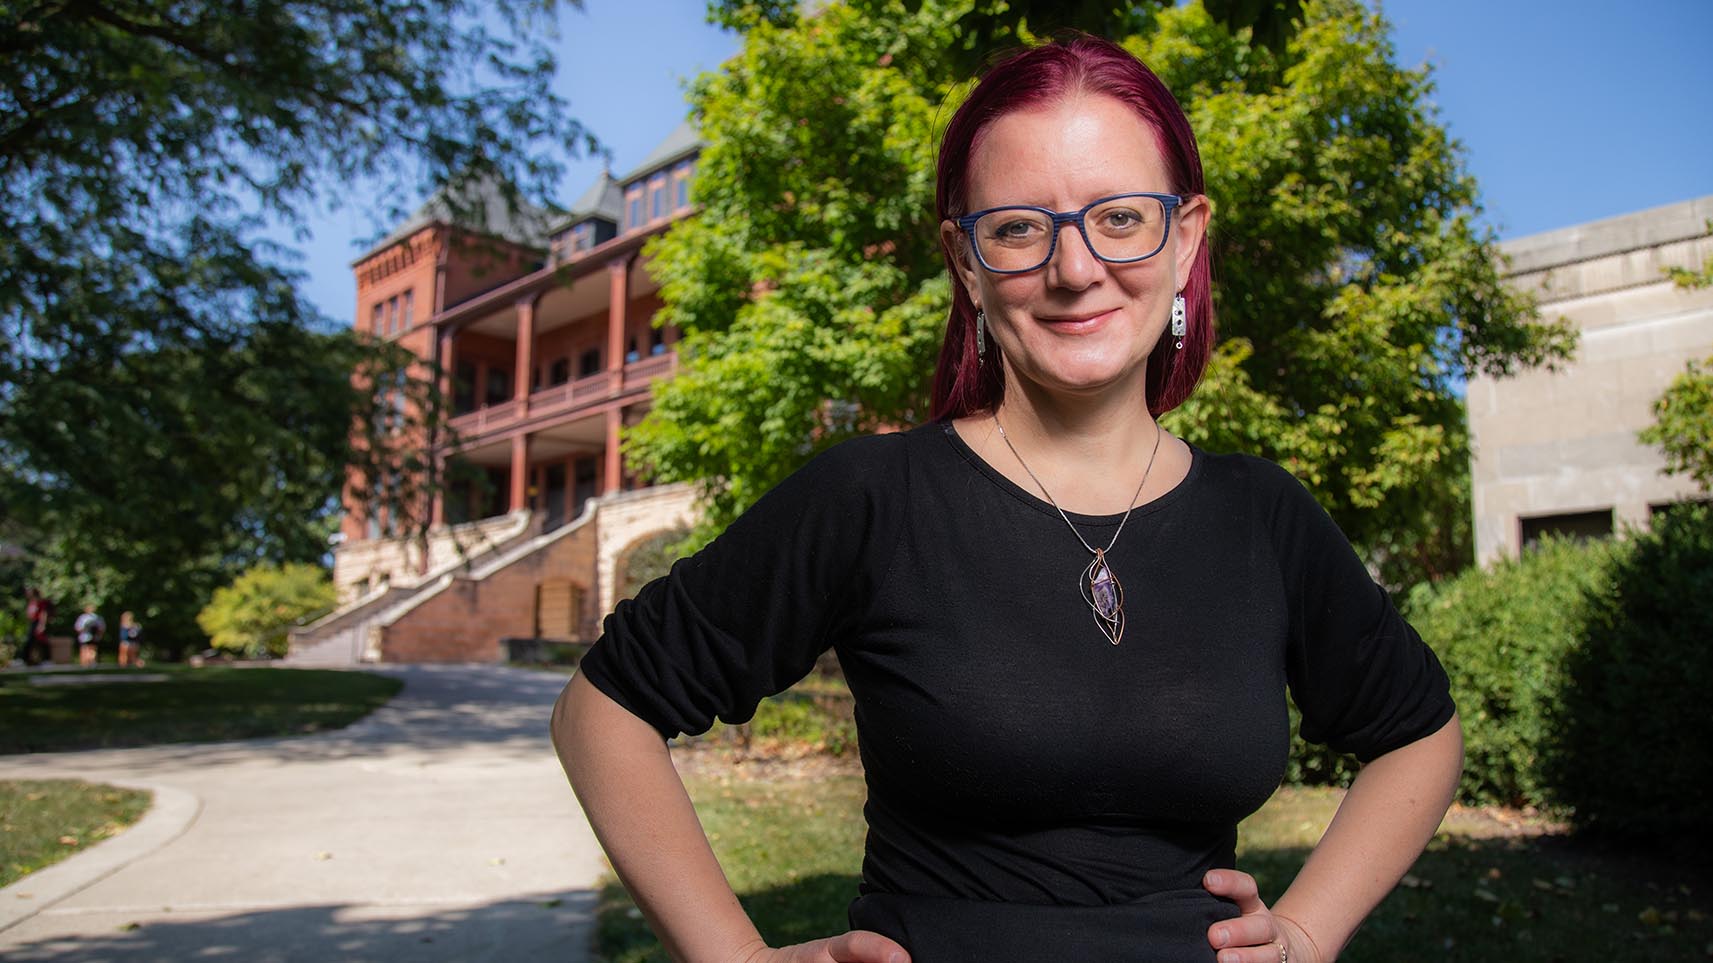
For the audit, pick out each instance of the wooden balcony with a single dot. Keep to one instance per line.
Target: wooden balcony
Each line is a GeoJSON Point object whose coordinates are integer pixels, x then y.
{"type": "Point", "coordinates": [567, 400]}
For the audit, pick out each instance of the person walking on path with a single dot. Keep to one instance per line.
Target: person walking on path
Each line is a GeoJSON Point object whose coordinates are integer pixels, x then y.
{"type": "Point", "coordinates": [130, 641]}
{"type": "Point", "coordinates": [37, 611]}
{"type": "Point", "coordinates": [90, 628]}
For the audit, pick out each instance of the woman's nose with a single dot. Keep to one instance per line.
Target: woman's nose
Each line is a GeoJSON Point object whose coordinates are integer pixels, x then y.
{"type": "Point", "coordinates": [1073, 264]}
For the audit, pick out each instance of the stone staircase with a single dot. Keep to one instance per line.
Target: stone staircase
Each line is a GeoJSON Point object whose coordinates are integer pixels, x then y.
{"type": "Point", "coordinates": [349, 635]}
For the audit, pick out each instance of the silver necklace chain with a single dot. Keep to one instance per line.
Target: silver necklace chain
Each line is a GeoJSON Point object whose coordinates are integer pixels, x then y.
{"type": "Point", "coordinates": [1054, 502]}
{"type": "Point", "coordinates": [1099, 586]}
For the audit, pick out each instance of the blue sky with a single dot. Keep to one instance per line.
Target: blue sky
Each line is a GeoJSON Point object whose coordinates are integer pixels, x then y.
{"type": "Point", "coordinates": [1568, 110]}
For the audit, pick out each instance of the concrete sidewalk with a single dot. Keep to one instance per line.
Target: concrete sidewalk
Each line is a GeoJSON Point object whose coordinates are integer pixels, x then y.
{"type": "Point", "coordinates": [440, 828]}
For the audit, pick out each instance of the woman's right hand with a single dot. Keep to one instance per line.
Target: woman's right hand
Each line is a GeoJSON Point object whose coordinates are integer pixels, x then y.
{"type": "Point", "coordinates": [857, 946]}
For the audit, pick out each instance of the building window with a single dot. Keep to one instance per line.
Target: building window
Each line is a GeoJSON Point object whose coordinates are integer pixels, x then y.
{"type": "Point", "coordinates": [657, 196]}
{"type": "Point", "coordinates": [559, 372]}
{"type": "Point", "coordinates": [657, 341]}
{"type": "Point", "coordinates": [409, 308]}
{"type": "Point", "coordinates": [681, 184]}
{"type": "Point", "coordinates": [464, 387]}
{"type": "Point", "coordinates": [375, 318]}
{"type": "Point", "coordinates": [631, 353]}
{"type": "Point", "coordinates": [589, 363]}
{"type": "Point", "coordinates": [633, 206]}
{"type": "Point", "coordinates": [1576, 525]}
{"type": "Point", "coordinates": [583, 237]}
{"type": "Point", "coordinates": [499, 387]}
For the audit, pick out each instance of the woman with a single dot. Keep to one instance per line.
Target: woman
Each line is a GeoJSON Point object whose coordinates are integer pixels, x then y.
{"type": "Point", "coordinates": [130, 641]}
{"type": "Point", "coordinates": [1068, 634]}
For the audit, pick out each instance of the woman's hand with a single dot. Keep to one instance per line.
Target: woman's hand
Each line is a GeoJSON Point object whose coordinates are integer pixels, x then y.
{"type": "Point", "coordinates": [857, 946]}
{"type": "Point", "coordinates": [1259, 935]}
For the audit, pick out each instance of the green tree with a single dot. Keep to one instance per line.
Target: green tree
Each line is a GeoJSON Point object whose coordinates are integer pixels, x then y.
{"type": "Point", "coordinates": [1355, 290]}
{"type": "Point", "coordinates": [1683, 424]}
{"type": "Point", "coordinates": [170, 410]}
{"type": "Point", "coordinates": [252, 616]}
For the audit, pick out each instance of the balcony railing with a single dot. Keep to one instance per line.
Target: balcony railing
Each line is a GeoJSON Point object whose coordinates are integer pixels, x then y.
{"type": "Point", "coordinates": [485, 419]}
{"type": "Point", "coordinates": [566, 398]}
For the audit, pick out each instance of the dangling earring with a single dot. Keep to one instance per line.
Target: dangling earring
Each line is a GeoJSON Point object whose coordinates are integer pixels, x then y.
{"type": "Point", "coordinates": [980, 336]}
{"type": "Point", "coordinates": [1179, 325]}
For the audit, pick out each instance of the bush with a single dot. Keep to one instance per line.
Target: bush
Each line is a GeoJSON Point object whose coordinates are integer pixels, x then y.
{"type": "Point", "coordinates": [1505, 635]}
{"type": "Point", "coordinates": [1632, 758]}
{"type": "Point", "coordinates": [252, 616]}
{"type": "Point", "coordinates": [648, 560]}
{"type": "Point", "coordinates": [14, 631]}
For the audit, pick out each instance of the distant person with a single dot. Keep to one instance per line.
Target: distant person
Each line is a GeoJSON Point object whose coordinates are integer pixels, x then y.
{"type": "Point", "coordinates": [37, 611]}
{"type": "Point", "coordinates": [130, 641]}
{"type": "Point", "coordinates": [89, 628]}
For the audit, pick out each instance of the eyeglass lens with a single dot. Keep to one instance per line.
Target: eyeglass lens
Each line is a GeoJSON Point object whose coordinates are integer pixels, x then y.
{"type": "Point", "coordinates": [1121, 229]}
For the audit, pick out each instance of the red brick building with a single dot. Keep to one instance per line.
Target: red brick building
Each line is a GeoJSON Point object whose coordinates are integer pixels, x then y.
{"type": "Point", "coordinates": [544, 332]}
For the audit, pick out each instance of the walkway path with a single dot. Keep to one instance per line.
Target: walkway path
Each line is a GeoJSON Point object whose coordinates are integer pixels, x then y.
{"type": "Point", "coordinates": [439, 828]}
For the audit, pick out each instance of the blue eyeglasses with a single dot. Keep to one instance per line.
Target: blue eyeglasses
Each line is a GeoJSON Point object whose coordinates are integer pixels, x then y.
{"type": "Point", "coordinates": [1126, 228]}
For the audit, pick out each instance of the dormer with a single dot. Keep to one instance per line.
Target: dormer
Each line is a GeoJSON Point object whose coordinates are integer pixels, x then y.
{"type": "Point", "coordinates": [659, 188]}
{"type": "Point", "coordinates": [593, 220]}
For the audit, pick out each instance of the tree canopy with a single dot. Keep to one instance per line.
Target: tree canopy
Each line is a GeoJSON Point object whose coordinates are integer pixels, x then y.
{"type": "Point", "coordinates": [171, 411]}
{"type": "Point", "coordinates": [1354, 289]}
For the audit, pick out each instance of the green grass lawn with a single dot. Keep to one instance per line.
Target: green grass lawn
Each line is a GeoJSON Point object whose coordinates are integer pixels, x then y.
{"type": "Point", "coordinates": [189, 705]}
{"type": "Point", "coordinates": [1483, 891]}
{"type": "Point", "coordinates": [44, 821]}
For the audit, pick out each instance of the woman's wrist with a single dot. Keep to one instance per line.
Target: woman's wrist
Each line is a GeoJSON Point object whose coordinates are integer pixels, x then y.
{"type": "Point", "coordinates": [1302, 945]}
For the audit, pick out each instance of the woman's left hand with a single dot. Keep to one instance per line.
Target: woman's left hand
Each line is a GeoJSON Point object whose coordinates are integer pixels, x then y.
{"type": "Point", "coordinates": [1258, 936]}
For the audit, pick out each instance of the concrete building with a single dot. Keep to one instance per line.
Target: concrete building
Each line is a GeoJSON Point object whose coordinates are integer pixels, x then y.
{"type": "Point", "coordinates": [543, 332]}
{"type": "Point", "coordinates": [1557, 451]}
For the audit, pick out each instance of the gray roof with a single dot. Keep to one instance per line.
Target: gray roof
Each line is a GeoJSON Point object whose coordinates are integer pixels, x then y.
{"type": "Point", "coordinates": [682, 142]}
{"type": "Point", "coordinates": [485, 211]}
{"type": "Point", "coordinates": [604, 198]}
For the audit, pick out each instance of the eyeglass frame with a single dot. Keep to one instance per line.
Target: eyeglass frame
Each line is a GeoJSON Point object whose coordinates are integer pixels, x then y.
{"type": "Point", "coordinates": [1171, 202]}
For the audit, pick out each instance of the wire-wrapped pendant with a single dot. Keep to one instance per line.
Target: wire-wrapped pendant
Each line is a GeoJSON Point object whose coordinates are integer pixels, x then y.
{"type": "Point", "coordinates": [1105, 597]}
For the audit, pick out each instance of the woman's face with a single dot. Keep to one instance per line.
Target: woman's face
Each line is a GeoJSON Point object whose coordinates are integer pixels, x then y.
{"type": "Point", "coordinates": [1077, 325]}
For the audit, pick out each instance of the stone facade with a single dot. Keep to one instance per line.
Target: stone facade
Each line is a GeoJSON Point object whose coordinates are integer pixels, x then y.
{"type": "Point", "coordinates": [1556, 451]}
{"type": "Point", "coordinates": [367, 565]}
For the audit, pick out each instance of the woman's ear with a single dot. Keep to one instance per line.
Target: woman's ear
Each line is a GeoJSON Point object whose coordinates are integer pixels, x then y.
{"type": "Point", "coordinates": [1189, 232]}
{"type": "Point", "coordinates": [956, 245]}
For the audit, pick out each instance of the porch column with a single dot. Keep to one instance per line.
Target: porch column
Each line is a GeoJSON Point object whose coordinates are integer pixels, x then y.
{"type": "Point", "coordinates": [446, 358]}
{"type": "Point", "coordinates": [618, 303]}
{"type": "Point", "coordinates": [613, 468]}
{"type": "Point", "coordinates": [448, 370]}
{"type": "Point", "coordinates": [520, 473]}
{"type": "Point", "coordinates": [525, 353]}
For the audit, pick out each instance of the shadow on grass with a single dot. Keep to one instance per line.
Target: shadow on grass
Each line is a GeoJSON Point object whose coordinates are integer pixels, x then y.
{"type": "Point", "coordinates": [552, 927]}
{"type": "Point", "coordinates": [502, 710]}
{"type": "Point", "coordinates": [796, 912]}
{"type": "Point", "coordinates": [1523, 899]}
{"type": "Point", "coordinates": [1520, 900]}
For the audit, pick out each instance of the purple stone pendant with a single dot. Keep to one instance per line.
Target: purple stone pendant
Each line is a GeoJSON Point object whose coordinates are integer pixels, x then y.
{"type": "Point", "coordinates": [1105, 597]}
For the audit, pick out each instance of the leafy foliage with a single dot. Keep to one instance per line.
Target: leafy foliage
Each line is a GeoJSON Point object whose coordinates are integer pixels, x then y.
{"type": "Point", "coordinates": [1355, 291]}
{"type": "Point", "coordinates": [252, 615]}
{"type": "Point", "coordinates": [1638, 685]}
{"type": "Point", "coordinates": [1506, 636]}
{"type": "Point", "coordinates": [170, 410]}
{"type": "Point", "coordinates": [1683, 423]}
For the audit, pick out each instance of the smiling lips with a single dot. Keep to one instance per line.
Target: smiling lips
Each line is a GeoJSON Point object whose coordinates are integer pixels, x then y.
{"type": "Point", "coordinates": [1078, 323]}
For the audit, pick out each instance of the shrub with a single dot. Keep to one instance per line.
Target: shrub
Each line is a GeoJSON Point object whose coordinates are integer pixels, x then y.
{"type": "Point", "coordinates": [1632, 758]}
{"type": "Point", "coordinates": [648, 560]}
{"type": "Point", "coordinates": [252, 616]}
{"type": "Point", "coordinates": [1505, 635]}
{"type": "Point", "coordinates": [14, 630]}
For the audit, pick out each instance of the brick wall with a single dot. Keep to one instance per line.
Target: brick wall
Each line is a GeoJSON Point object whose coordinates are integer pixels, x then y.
{"type": "Point", "coordinates": [466, 621]}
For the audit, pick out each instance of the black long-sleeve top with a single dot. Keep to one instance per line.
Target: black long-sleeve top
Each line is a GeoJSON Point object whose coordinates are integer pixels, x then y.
{"type": "Point", "coordinates": [1015, 759]}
